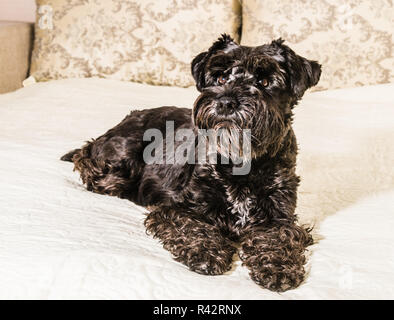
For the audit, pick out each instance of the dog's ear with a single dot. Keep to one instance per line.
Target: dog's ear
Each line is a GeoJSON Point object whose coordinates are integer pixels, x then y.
{"type": "Point", "coordinates": [225, 43]}
{"type": "Point", "coordinates": [303, 73]}
{"type": "Point", "coordinates": [198, 67]}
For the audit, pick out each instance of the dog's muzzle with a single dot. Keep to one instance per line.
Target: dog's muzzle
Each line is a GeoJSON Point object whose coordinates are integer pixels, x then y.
{"type": "Point", "coordinates": [226, 105]}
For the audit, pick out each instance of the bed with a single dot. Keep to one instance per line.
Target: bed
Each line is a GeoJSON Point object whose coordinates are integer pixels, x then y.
{"type": "Point", "coordinates": [59, 241]}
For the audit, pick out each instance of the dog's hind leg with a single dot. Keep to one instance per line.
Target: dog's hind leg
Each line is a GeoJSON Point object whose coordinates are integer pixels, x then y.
{"type": "Point", "coordinates": [195, 243]}
{"type": "Point", "coordinates": [98, 174]}
{"type": "Point", "coordinates": [103, 175]}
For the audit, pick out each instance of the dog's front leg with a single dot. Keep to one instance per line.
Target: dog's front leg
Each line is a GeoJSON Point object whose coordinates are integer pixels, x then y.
{"type": "Point", "coordinates": [197, 244]}
{"type": "Point", "coordinates": [275, 255]}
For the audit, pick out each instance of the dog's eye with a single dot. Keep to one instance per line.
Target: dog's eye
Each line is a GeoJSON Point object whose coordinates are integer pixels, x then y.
{"type": "Point", "coordinates": [264, 82]}
{"type": "Point", "coordinates": [222, 79]}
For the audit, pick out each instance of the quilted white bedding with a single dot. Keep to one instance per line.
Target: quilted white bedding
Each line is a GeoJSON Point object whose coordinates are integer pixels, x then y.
{"type": "Point", "coordinates": [58, 240]}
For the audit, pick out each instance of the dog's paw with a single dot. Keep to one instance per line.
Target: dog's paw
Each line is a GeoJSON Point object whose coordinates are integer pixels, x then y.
{"type": "Point", "coordinates": [211, 262]}
{"type": "Point", "coordinates": [207, 259]}
{"type": "Point", "coordinates": [277, 280]}
{"type": "Point", "coordinates": [278, 269]}
{"type": "Point", "coordinates": [276, 257]}
{"type": "Point", "coordinates": [198, 245]}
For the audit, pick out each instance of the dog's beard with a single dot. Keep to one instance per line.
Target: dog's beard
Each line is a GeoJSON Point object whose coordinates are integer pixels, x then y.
{"type": "Point", "coordinates": [206, 115]}
{"type": "Point", "coordinates": [264, 122]}
{"type": "Point", "coordinates": [231, 133]}
{"type": "Point", "coordinates": [232, 142]}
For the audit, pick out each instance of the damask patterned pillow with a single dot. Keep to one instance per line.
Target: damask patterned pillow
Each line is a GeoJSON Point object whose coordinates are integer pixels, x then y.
{"type": "Point", "coordinates": [352, 39]}
{"type": "Point", "coordinates": [147, 41]}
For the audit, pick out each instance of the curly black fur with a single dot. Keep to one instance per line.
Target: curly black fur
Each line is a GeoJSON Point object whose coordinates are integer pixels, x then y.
{"type": "Point", "coordinates": [201, 210]}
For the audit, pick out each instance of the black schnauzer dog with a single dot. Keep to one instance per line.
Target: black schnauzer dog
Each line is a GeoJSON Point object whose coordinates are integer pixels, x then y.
{"type": "Point", "coordinates": [203, 212]}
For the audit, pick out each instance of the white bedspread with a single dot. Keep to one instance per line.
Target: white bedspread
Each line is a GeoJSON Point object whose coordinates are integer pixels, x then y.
{"type": "Point", "coordinates": [58, 240]}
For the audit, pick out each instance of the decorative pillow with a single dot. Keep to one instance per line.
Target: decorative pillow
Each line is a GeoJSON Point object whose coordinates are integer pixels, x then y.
{"type": "Point", "coordinates": [351, 39]}
{"type": "Point", "coordinates": [147, 41]}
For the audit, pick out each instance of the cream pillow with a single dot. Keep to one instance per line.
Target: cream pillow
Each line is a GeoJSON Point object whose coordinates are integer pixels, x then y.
{"type": "Point", "coordinates": [351, 39]}
{"type": "Point", "coordinates": [147, 41]}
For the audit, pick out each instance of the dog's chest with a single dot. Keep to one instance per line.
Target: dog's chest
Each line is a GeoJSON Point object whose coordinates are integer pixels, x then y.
{"type": "Point", "coordinates": [240, 200]}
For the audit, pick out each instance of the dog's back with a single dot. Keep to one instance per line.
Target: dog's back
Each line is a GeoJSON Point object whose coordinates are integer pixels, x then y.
{"type": "Point", "coordinates": [113, 163]}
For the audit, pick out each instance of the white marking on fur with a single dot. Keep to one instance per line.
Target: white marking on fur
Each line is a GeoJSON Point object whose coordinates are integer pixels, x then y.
{"type": "Point", "coordinates": [241, 200]}
{"type": "Point", "coordinates": [248, 75]}
{"type": "Point", "coordinates": [230, 47]}
{"type": "Point", "coordinates": [241, 203]}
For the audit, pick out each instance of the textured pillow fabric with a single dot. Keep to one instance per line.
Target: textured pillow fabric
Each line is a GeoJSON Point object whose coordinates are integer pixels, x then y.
{"type": "Point", "coordinates": [133, 40]}
{"type": "Point", "coordinates": [16, 42]}
{"type": "Point", "coordinates": [351, 39]}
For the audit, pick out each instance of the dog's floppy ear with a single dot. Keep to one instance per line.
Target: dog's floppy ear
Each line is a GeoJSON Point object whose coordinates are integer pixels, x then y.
{"type": "Point", "coordinates": [224, 43]}
{"type": "Point", "coordinates": [303, 73]}
{"type": "Point", "coordinates": [198, 66]}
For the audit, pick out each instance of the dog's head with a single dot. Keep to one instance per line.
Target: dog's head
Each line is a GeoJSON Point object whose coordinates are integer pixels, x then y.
{"type": "Point", "coordinates": [252, 88]}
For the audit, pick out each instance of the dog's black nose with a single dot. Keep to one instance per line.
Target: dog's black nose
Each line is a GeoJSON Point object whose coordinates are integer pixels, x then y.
{"type": "Point", "coordinates": [226, 105]}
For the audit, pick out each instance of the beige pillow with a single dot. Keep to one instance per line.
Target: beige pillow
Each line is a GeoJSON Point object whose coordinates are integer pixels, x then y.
{"type": "Point", "coordinates": [351, 39]}
{"type": "Point", "coordinates": [147, 41]}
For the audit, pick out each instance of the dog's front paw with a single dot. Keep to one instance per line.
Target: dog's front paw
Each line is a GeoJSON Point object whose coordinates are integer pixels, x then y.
{"type": "Point", "coordinates": [198, 245]}
{"type": "Point", "coordinates": [277, 278]}
{"type": "Point", "coordinates": [209, 261]}
{"type": "Point", "coordinates": [275, 257]}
